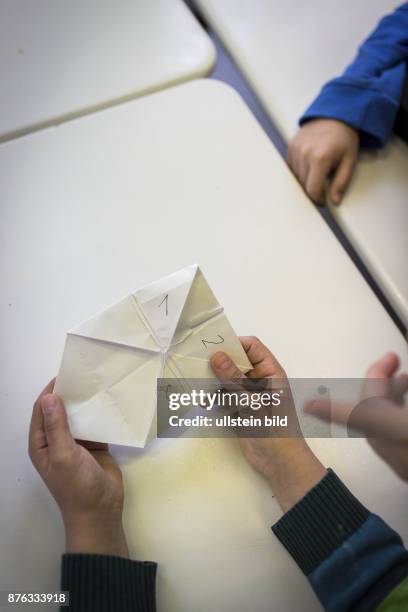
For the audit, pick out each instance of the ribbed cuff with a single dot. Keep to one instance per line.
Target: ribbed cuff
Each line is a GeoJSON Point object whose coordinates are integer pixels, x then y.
{"type": "Point", "coordinates": [102, 583]}
{"type": "Point", "coordinates": [320, 522]}
{"type": "Point", "coordinates": [365, 109]}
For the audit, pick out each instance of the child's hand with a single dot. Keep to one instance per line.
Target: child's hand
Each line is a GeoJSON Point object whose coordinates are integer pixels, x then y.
{"type": "Point", "coordinates": [379, 415]}
{"type": "Point", "coordinates": [324, 150]}
{"type": "Point", "coordinates": [82, 477]}
{"type": "Point", "coordinates": [287, 463]}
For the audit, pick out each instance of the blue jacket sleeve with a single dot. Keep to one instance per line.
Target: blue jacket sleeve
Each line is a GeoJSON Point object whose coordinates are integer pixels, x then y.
{"type": "Point", "coordinates": [351, 557]}
{"type": "Point", "coordinates": [367, 95]}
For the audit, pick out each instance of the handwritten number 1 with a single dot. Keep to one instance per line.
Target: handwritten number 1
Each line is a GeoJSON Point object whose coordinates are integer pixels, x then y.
{"type": "Point", "coordinates": [166, 302]}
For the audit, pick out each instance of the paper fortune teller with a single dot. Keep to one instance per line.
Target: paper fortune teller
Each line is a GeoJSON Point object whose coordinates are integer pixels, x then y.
{"type": "Point", "coordinates": [109, 369]}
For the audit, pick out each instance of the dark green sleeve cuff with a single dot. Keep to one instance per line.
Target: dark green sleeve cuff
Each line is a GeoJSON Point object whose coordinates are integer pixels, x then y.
{"type": "Point", "coordinates": [320, 522]}
{"type": "Point", "coordinates": [103, 583]}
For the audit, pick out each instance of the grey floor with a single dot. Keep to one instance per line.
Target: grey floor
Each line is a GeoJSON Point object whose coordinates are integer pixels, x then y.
{"type": "Point", "coordinates": [227, 71]}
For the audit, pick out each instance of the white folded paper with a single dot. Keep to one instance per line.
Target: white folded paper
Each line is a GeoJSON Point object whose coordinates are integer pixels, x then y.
{"type": "Point", "coordinates": [109, 369]}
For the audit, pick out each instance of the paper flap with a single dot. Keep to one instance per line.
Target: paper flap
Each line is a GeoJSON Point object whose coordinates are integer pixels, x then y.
{"type": "Point", "coordinates": [192, 355]}
{"type": "Point", "coordinates": [201, 305]}
{"type": "Point", "coordinates": [121, 323]}
{"type": "Point", "coordinates": [99, 420]}
{"type": "Point", "coordinates": [162, 302]}
{"type": "Point", "coordinates": [108, 390]}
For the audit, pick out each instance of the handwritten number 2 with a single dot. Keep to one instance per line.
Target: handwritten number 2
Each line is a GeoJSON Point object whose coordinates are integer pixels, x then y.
{"type": "Point", "coordinates": [220, 341]}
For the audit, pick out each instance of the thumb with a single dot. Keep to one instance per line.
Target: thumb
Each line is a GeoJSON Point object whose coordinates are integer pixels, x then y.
{"type": "Point", "coordinates": [341, 178]}
{"type": "Point", "coordinates": [56, 428]}
{"type": "Point", "coordinates": [224, 368]}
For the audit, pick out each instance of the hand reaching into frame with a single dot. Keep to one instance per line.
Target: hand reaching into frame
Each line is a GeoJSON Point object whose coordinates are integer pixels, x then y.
{"type": "Point", "coordinates": [380, 414]}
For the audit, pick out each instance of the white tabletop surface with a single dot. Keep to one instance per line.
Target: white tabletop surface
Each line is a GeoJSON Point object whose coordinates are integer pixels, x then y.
{"type": "Point", "coordinates": [287, 51]}
{"type": "Point", "coordinates": [102, 204]}
{"type": "Point", "coordinates": [60, 59]}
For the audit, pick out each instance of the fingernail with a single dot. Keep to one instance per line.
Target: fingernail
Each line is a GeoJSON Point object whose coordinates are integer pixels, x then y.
{"type": "Point", "coordinates": [48, 403]}
{"type": "Point", "coordinates": [222, 361]}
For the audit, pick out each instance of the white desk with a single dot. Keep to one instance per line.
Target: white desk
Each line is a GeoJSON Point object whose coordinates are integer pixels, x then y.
{"type": "Point", "coordinates": [102, 204]}
{"type": "Point", "coordinates": [62, 59]}
{"type": "Point", "coordinates": [287, 51]}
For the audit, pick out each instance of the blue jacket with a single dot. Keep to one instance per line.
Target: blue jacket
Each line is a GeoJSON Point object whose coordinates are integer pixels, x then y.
{"type": "Point", "coordinates": [367, 95]}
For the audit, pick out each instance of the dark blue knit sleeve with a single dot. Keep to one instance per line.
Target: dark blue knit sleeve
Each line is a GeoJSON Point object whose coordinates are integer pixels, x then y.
{"type": "Point", "coordinates": [351, 557]}
{"type": "Point", "coordinates": [104, 583]}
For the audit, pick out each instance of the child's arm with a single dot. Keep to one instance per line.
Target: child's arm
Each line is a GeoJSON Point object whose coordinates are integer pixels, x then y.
{"type": "Point", "coordinates": [351, 557]}
{"type": "Point", "coordinates": [367, 95]}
